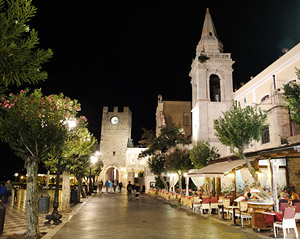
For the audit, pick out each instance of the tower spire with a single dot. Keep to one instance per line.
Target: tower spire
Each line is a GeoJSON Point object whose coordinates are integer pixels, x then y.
{"type": "Point", "coordinates": [209, 42]}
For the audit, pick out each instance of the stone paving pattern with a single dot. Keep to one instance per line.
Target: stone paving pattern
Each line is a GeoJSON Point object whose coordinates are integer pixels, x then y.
{"type": "Point", "coordinates": [113, 216]}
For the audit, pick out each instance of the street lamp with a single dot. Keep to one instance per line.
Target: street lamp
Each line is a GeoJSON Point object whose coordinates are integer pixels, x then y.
{"type": "Point", "coordinates": [93, 159]}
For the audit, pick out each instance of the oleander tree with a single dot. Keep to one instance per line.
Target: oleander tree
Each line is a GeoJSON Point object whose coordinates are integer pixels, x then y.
{"type": "Point", "coordinates": [238, 128]}
{"type": "Point", "coordinates": [35, 126]}
{"type": "Point", "coordinates": [21, 60]}
{"type": "Point", "coordinates": [157, 150]}
{"type": "Point", "coordinates": [178, 161]}
{"type": "Point", "coordinates": [80, 146]}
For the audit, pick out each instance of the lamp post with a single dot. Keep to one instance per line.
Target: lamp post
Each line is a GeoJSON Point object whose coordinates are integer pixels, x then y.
{"type": "Point", "coordinates": [55, 216]}
{"type": "Point", "coordinates": [93, 159]}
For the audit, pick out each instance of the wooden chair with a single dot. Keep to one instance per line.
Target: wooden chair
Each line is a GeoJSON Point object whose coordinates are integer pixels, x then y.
{"type": "Point", "coordinates": [287, 222]}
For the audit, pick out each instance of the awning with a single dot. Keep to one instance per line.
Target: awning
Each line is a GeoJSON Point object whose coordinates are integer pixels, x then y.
{"type": "Point", "coordinates": [218, 169]}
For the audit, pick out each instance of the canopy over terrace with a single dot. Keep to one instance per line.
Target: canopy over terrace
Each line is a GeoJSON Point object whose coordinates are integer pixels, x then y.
{"type": "Point", "coordinates": [218, 169]}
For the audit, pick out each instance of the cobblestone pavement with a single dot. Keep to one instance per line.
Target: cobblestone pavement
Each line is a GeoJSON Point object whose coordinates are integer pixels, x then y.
{"type": "Point", "coordinates": [112, 216]}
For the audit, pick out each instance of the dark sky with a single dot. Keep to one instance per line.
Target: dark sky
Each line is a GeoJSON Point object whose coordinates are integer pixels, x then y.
{"type": "Point", "coordinates": [125, 55]}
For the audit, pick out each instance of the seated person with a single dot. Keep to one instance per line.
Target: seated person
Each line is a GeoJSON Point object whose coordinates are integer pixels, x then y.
{"type": "Point", "coordinates": [284, 194]}
{"type": "Point", "coordinates": [294, 196]}
{"type": "Point", "coordinates": [247, 194]}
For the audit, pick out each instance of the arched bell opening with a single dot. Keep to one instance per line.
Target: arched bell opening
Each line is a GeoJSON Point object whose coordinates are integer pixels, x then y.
{"type": "Point", "coordinates": [215, 88]}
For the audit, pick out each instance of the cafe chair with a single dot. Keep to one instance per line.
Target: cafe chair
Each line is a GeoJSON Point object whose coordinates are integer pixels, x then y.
{"type": "Point", "coordinates": [205, 206]}
{"type": "Point", "coordinates": [288, 222]}
{"type": "Point", "coordinates": [196, 204]}
{"type": "Point", "coordinates": [226, 204]}
{"type": "Point", "coordinates": [244, 212]}
{"type": "Point", "coordinates": [214, 203]}
{"type": "Point", "coordinates": [283, 205]}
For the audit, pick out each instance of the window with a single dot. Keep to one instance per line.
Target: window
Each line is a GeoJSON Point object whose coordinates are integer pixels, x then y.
{"type": "Point", "coordinates": [186, 119]}
{"type": "Point", "coordinates": [265, 136]}
{"type": "Point", "coordinates": [214, 88]}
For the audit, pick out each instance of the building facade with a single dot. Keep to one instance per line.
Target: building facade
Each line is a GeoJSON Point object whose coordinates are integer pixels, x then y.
{"type": "Point", "coordinates": [173, 112]}
{"type": "Point", "coordinates": [119, 157]}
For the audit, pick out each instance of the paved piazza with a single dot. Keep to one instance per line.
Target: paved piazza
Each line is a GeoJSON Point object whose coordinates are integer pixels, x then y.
{"type": "Point", "coordinates": [112, 216]}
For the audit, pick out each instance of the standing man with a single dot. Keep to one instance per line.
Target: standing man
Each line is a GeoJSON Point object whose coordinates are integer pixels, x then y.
{"type": "Point", "coordinates": [129, 191]}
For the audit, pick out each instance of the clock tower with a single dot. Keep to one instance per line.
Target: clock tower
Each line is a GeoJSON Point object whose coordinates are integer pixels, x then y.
{"type": "Point", "coordinates": [115, 135]}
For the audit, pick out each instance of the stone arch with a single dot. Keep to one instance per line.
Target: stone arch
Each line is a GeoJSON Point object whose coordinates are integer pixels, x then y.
{"type": "Point", "coordinates": [111, 173]}
{"type": "Point", "coordinates": [214, 88]}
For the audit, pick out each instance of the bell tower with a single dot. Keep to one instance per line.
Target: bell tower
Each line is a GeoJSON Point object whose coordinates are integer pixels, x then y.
{"type": "Point", "coordinates": [211, 79]}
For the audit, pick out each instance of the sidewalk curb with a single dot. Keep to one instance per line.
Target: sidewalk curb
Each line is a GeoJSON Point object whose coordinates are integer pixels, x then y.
{"type": "Point", "coordinates": [77, 208]}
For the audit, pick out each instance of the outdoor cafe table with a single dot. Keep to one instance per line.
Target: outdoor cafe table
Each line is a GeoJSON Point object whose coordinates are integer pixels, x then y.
{"type": "Point", "coordinates": [234, 219]}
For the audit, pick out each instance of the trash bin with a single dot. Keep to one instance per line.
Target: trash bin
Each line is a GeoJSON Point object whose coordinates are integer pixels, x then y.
{"type": "Point", "coordinates": [44, 204]}
{"type": "Point", "coordinates": [73, 196]}
{"type": "Point", "coordinates": [2, 217]}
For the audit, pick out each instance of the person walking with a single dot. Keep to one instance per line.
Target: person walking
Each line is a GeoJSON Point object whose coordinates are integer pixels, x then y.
{"type": "Point", "coordinates": [2, 192]}
{"type": "Point", "coordinates": [120, 186]}
{"type": "Point", "coordinates": [100, 186]}
{"type": "Point", "coordinates": [9, 188]}
{"type": "Point", "coordinates": [115, 185]}
{"type": "Point", "coordinates": [110, 185]}
{"type": "Point", "coordinates": [129, 191]}
{"type": "Point", "coordinates": [106, 186]}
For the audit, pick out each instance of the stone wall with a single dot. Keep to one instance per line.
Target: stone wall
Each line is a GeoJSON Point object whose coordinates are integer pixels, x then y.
{"type": "Point", "coordinates": [293, 166]}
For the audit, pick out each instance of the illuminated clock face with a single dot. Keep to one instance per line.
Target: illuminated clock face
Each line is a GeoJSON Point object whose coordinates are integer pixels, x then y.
{"type": "Point", "coordinates": [114, 120]}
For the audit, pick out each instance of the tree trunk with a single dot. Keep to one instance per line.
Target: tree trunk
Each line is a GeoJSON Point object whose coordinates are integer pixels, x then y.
{"type": "Point", "coordinates": [33, 230]}
{"type": "Point", "coordinates": [251, 170]}
{"type": "Point", "coordinates": [180, 182]}
{"type": "Point", "coordinates": [164, 181]}
{"type": "Point", "coordinates": [48, 177]}
{"type": "Point", "coordinates": [80, 189]}
{"type": "Point", "coordinates": [66, 192]}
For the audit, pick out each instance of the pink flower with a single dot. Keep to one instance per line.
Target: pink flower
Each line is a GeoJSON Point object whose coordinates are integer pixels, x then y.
{"type": "Point", "coordinates": [84, 118]}
{"type": "Point", "coordinates": [21, 91]}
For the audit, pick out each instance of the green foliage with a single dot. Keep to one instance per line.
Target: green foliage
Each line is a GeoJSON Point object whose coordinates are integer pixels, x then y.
{"type": "Point", "coordinates": [168, 138]}
{"type": "Point", "coordinates": [34, 125]}
{"type": "Point", "coordinates": [20, 59]}
{"type": "Point", "coordinates": [178, 161]}
{"type": "Point", "coordinates": [203, 58]}
{"type": "Point", "coordinates": [157, 164]}
{"type": "Point", "coordinates": [240, 126]}
{"type": "Point", "coordinates": [202, 153]}
{"type": "Point", "coordinates": [292, 96]}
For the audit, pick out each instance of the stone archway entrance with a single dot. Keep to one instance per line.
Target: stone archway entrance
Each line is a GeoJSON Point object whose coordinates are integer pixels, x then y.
{"type": "Point", "coordinates": [112, 173]}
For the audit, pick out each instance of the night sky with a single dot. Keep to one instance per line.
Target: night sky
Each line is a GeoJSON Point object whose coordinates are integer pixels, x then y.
{"type": "Point", "coordinates": [125, 55]}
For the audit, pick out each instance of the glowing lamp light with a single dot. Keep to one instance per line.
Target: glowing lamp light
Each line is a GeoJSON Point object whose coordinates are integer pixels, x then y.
{"type": "Point", "coordinates": [94, 159]}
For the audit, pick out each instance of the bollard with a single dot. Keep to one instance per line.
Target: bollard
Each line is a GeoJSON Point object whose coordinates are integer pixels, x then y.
{"type": "Point", "coordinates": [2, 217]}
{"type": "Point", "coordinates": [44, 204]}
